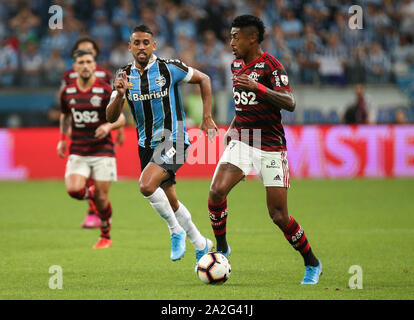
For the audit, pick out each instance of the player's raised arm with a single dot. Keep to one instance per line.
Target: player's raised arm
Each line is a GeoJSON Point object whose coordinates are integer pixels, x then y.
{"type": "Point", "coordinates": [207, 123]}
{"type": "Point", "coordinates": [114, 108]}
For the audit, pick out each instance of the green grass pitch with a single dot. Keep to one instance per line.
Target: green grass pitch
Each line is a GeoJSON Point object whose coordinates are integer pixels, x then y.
{"type": "Point", "coordinates": [369, 223]}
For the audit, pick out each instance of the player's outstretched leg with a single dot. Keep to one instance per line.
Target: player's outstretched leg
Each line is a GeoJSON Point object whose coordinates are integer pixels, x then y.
{"type": "Point", "coordinates": [201, 244]}
{"type": "Point", "coordinates": [105, 214]}
{"type": "Point", "coordinates": [159, 202]}
{"type": "Point", "coordinates": [293, 232]}
{"type": "Point", "coordinates": [225, 178]}
{"type": "Point", "coordinates": [91, 219]}
{"type": "Point", "coordinates": [150, 180]}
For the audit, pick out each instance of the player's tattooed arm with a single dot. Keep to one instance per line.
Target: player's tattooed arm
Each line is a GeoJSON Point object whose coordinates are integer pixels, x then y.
{"type": "Point", "coordinates": [282, 99]}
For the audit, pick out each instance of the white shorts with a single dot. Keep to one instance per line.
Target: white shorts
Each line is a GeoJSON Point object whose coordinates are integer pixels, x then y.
{"type": "Point", "coordinates": [101, 168]}
{"type": "Point", "coordinates": [271, 166]}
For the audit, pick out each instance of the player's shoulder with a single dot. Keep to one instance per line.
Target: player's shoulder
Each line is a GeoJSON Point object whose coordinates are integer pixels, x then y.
{"type": "Point", "coordinates": [69, 89]}
{"type": "Point", "coordinates": [102, 72]}
{"type": "Point", "coordinates": [271, 61]}
{"type": "Point", "coordinates": [101, 87]}
{"type": "Point", "coordinates": [173, 62]}
{"type": "Point", "coordinates": [126, 68]}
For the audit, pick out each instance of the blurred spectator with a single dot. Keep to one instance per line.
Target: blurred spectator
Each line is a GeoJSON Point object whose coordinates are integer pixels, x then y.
{"type": "Point", "coordinates": [120, 55]}
{"type": "Point", "coordinates": [400, 116]}
{"type": "Point", "coordinates": [292, 28]}
{"type": "Point", "coordinates": [55, 39]}
{"type": "Point", "coordinates": [25, 16]}
{"type": "Point", "coordinates": [403, 56]}
{"type": "Point", "coordinates": [332, 62]}
{"type": "Point", "coordinates": [378, 65]}
{"type": "Point", "coordinates": [103, 32]}
{"type": "Point", "coordinates": [8, 63]}
{"type": "Point", "coordinates": [124, 18]}
{"type": "Point", "coordinates": [54, 67]}
{"type": "Point", "coordinates": [406, 12]}
{"type": "Point", "coordinates": [308, 62]}
{"type": "Point", "coordinates": [208, 56]}
{"type": "Point", "coordinates": [32, 63]}
{"type": "Point", "coordinates": [362, 110]}
{"type": "Point", "coordinates": [355, 69]}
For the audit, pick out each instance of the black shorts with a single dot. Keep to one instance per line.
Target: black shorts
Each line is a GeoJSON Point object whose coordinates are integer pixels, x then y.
{"type": "Point", "coordinates": [166, 156]}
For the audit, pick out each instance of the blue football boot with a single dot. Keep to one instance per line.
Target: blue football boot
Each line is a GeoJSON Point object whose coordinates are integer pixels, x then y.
{"type": "Point", "coordinates": [199, 253]}
{"type": "Point", "coordinates": [177, 245]}
{"type": "Point", "coordinates": [312, 274]}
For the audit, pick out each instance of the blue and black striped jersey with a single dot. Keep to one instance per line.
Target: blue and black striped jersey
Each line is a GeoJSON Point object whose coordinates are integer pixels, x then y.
{"type": "Point", "coordinates": [155, 101]}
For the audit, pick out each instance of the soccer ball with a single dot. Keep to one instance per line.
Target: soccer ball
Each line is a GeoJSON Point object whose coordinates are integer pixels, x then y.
{"type": "Point", "coordinates": [213, 268]}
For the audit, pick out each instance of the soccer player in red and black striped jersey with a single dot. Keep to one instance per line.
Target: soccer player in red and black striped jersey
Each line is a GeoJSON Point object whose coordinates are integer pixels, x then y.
{"type": "Point", "coordinates": [256, 139]}
{"type": "Point", "coordinates": [83, 112]}
{"type": "Point", "coordinates": [69, 77]}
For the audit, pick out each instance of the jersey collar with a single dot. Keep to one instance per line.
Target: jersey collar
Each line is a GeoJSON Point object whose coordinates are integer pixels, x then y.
{"type": "Point", "coordinates": [149, 65]}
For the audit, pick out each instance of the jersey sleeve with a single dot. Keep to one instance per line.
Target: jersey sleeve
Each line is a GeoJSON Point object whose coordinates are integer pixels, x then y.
{"type": "Point", "coordinates": [63, 106]}
{"type": "Point", "coordinates": [179, 71]}
{"type": "Point", "coordinates": [279, 79]}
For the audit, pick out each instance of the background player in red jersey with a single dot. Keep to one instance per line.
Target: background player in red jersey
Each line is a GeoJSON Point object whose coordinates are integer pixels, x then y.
{"type": "Point", "coordinates": [256, 140]}
{"type": "Point", "coordinates": [83, 106]}
{"type": "Point", "coordinates": [85, 43]}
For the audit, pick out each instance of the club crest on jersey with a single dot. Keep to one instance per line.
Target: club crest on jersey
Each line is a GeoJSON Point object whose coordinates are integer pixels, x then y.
{"type": "Point", "coordinates": [160, 81]}
{"type": "Point", "coordinates": [259, 65]}
{"type": "Point", "coordinates": [254, 76]}
{"type": "Point", "coordinates": [284, 78]}
{"type": "Point", "coordinates": [96, 101]}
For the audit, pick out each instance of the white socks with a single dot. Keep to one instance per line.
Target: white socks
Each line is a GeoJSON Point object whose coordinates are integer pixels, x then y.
{"type": "Point", "coordinates": [160, 203]}
{"type": "Point", "coordinates": [176, 221]}
{"type": "Point", "coordinates": [184, 219]}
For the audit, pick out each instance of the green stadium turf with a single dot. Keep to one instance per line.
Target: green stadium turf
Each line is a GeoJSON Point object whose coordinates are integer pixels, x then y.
{"type": "Point", "coordinates": [369, 223]}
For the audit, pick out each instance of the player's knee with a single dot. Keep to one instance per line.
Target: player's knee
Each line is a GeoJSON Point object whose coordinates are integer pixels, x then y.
{"type": "Point", "coordinates": [77, 194]}
{"type": "Point", "coordinates": [217, 193]}
{"type": "Point", "coordinates": [146, 189]}
{"type": "Point", "coordinates": [279, 217]}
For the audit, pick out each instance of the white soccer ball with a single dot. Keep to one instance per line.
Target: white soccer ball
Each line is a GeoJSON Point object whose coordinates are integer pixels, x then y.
{"type": "Point", "coordinates": [213, 268]}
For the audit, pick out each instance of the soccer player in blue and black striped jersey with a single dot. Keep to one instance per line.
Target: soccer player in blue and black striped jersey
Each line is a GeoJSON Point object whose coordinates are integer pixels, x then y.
{"type": "Point", "coordinates": [151, 87]}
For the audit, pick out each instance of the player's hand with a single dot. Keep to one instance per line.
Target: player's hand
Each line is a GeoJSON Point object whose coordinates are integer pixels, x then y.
{"type": "Point", "coordinates": [243, 81]}
{"type": "Point", "coordinates": [121, 83]}
{"type": "Point", "coordinates": [102, 131]}
{"type": "Point", "coordinates": [208, 125]}
{"type": "Point", "coordinates": [227, 137]}
{"type": "Point", "coordinates": [61, 148]}
{"type": "Point", "coordinates": [120, 137]}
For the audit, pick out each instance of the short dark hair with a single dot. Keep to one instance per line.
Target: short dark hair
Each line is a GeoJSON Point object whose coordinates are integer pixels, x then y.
{"type": "Point", "coordinates": [79, 53]}
{"type": "Point", "coordinates": [142, 28]}
{"type": "Point", "coordinates": [248, 20]}
{"type": "Point", "coordinates": [81, 40]}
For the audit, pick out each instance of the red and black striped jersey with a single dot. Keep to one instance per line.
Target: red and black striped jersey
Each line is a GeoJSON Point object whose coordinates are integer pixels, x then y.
{"type": "Point", "coordinates": [88, 110]}
{"type": "Point", "coordinates": [70, 76]}
{"type": "Point", "coordinates": [252, 112]}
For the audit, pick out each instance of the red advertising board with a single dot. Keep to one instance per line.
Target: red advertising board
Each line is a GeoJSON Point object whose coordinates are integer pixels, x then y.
{"type": "Point", "coordinates": [340, 151]}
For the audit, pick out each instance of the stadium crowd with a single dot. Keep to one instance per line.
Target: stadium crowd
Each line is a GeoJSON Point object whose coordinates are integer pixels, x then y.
{"type": "Point", "coordinates": [311, 38]}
